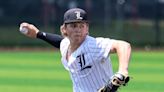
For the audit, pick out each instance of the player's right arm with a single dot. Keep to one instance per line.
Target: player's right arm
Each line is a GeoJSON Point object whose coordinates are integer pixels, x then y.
{"type": "Point", "coordinates": [34, 32]}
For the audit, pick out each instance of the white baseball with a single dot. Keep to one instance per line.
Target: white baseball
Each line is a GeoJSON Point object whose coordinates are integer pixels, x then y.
{"type": "Point", "coordinates": [23, 30]}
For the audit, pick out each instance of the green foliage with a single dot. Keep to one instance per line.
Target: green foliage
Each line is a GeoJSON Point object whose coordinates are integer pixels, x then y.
{"type": "Point", "coordinates": [141, 34]}
{"type": "Point", "coordinates": [11, 37]}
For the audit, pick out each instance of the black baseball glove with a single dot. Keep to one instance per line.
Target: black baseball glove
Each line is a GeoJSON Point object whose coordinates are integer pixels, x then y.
{"type": "Point", "coordinates": [116, 81]}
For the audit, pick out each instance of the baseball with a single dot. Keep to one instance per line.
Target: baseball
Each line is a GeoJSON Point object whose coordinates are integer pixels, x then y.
{"type": "Point", "coordinates": [23, 30]}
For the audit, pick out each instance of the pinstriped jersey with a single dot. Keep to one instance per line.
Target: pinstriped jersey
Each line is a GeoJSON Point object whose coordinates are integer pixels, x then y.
{"type": "Point", "coordinates": [89, 65]}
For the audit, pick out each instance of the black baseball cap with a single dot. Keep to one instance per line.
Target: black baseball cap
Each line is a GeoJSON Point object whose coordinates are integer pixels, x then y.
{"type": "Point", "coordinates": [75, 15]}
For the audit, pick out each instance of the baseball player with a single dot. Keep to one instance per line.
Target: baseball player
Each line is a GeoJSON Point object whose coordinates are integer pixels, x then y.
{"type": "Point", "coordinates": [86, 58]}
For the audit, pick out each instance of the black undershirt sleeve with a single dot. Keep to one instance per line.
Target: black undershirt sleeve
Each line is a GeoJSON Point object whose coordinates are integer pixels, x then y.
{"type": "Point", "coordinates": [52, 39]}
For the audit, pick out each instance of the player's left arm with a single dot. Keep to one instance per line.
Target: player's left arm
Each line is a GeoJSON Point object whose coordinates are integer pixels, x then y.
{"type": "Point", "coordinates": [123, 50]}
{"type": "Point", "coordinates": [121, 78]}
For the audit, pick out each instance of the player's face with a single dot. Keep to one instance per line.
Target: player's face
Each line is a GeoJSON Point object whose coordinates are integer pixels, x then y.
{"type": "Point", "coordinates": [77, 32]}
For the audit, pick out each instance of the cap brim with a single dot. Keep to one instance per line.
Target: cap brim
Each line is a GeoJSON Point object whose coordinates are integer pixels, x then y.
{"type": "Point", "coordinates": [74, 21]}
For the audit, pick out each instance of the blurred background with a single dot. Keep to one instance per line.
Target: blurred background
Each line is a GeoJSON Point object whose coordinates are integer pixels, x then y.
{"type": "Point", "coordinates": [32, 65]}
{"type": "Point", "coordinates": [139, 22]}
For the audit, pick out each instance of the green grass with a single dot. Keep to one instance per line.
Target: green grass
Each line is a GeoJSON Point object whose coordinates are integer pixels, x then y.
{"type": "Point", "coordinates": [36, 71]}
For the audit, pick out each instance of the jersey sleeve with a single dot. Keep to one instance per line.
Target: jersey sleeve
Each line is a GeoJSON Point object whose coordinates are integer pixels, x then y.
{"type": "Point", "coordinates": [100, 48]}
{"type": "Point", "coordinates": [64, 46]}
{"type": "Point", "coordinates": [103, 46]}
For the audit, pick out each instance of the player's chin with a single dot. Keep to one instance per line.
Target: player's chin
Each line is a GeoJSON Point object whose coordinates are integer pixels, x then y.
{"type": "Point", "coordinates": [78, 39]}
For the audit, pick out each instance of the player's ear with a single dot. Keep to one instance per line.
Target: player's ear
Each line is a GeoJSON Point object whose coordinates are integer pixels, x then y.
{"type": "Point", "coordinates": [63, 30]}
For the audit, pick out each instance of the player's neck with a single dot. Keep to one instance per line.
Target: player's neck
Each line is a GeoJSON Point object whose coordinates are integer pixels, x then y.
{"type": "Point", "coordinates": [73, 47]}
{"type": "Point", "coordinates": [70, 50]}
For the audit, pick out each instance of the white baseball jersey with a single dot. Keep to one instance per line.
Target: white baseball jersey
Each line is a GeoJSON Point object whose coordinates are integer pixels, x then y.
{"type": "Point", "coordinates": [89, 66]}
